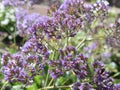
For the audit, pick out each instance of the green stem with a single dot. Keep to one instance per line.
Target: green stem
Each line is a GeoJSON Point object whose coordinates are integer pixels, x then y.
{"type": "Point", "coordinates": [65, 81]}
{"type": "Point", "coordinates": [78, 46]}
{"type": "Point", "coordinates": [4, 85]}
{"type": "Point", "coordinates": [51, 82]}
{"type": "Point", "coordinates": [46, 79]}
{"type": "Point", "coordinates": [15, 34]}
{"type": "Point", "coordinates": [51, 87]}
{"type": "Point", "coordinates": [67, 37]}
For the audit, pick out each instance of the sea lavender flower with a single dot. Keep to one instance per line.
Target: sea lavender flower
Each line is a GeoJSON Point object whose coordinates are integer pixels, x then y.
{"type": "Point", "coordinates": [71, 6]}
{"type": "Point", "coordinates": [106, 55]}
{"type": "Point", "coordinates": [57, 73]}
{"type": "Point", "coordinates": [29, 20]}
{"type": "Point", "coordinates": [79, 7]}
{"type": "Point", "coordinates": [64, 22]}
{"type": "Point", "coordinates": [17, 3]}
{"type": "Point", "coordinates": [60, 24]}
{"type": "Point", "coordinates": [34, 46]}
{"type": "Point", "coordinates": [82, 86]}
{"type": "Point", "coordinates": [30, 46]}
{"type": "Point", "coordinates": [102, 80]}
{"type": "Point", "coordinates": [67, 51]}
{"type": "Point", "coordinates": [67, 62]}
{"type": "Point", "coordinates": [89, 49]}
{"type": "Point", "coordinates": [112, 38]}
{"type": "Point", "coordinates": [18, 67]}
{"type": "Point", "coordinates": [101, 8]}
{"type": "Point", "coordinates": [13, 2]}
{"type": "Point", "coordinates": [113, 42]}
{"type": "Point", "coordinates": [101, 77]}
{"type": "Point", "coordinates": [117, 86]}
{"type": "Point", "coordinates": [25, 22]}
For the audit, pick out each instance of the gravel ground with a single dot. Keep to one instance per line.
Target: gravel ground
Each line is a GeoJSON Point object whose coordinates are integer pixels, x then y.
{"type": "Point", "coordinates": [42, 9]}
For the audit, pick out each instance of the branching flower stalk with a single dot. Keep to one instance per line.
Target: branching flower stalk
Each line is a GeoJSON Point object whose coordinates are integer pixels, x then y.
{"type": "Point", "coordinates": [41, 56]}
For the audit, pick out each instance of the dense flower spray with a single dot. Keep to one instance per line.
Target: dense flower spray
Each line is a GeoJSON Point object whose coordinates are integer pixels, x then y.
{"type": "Point", "coordinates": [39, 51]}
{"type": "Point", "coordinates": [17, 3]}
{"type": "Point", "coordinates": [19, 68]}
{"type": "Point", "coordinates": [113, 38]}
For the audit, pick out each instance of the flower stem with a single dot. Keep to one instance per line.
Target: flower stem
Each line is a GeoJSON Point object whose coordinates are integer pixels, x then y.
{"type": "Point", "coordinates": [51, 82]}
{"type": "Point", "coordinates": [4, 85]}
{"type": "Point", "coordinates": [51, 87]}
{"type": "Point", "coordinates": [47, 79]}
{"type": "Point", "coordinates": [78, 46]}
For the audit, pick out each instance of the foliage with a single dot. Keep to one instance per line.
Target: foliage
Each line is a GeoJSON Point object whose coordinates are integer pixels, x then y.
{"type": "Point", "coordinates": [7, 20]}
{"type": "Point", "coordinates": [64, 50]}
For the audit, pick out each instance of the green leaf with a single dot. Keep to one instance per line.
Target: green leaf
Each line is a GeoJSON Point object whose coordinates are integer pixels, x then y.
{"type": "Point", "coordinates": [32, 87]}
{"type": "Point", "coordinates": [38, 79]}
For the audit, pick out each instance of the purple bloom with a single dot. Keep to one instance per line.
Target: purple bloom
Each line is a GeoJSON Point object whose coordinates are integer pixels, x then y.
{"type": "Point", "coordinates": [16, 3]}
{"type": "Point", "coordinates": [113, 42]}
{"type": "Point", "coordinates": [113, 39]}
{"type": "Point", "coordinates": [101, 77]}
{"type": "Point", "coordinates": [20, 67]}
{"type": "Point", "coordinates": [56, 73]}
{"type": "Point", "coordinates": [71, 17]}
{"type": "Point", "coordinates": [82, 86]}
{"type": "Point", "coordinates": [91, 48]}
{"type": "Point", "coordinates": [25, 22]}
{"type": "Point", "coordinates": [67, 62]}
{"type": "Point", "coordinates": [106, 55]}
{"type": "Point", "coordinates": [13, 2]}
{"type": "Point", "coordinates": [117, 86]}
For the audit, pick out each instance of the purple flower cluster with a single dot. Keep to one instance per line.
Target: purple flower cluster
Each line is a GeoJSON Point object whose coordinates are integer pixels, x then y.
{"type": "Point", "coordinates": [25, 21]}
{"type": "Point", "coordinates": [101, 77]}
{"type": "Point", "coordinates": [23, 67]}
{"type": "Point", "coordinates": [73, 15]}
{"type": "Point", "coordinates": [17, 3]}
{"type": "Point", "coordinates": [113, 38]}
{"type": "Point", "coordinates": [13, 2]}
{"type": "Point", "coordinates": [66, 21]}
{"type": "Point", "coordinates": [20, 67]}
{"type": "Point", "coordinates": [70, 61]}
{"type": "Point", "coordinates": [87, 86]}
{"type": "Point", "coordinates": [101, 80]}
{"type": "Point", "coordinates": [82, 86]}
{"type": "Point", "coordinates": [88, 12]}
{"type": "Point", "coordinates": [36, 47]}
{"type": "Point", "coordinates": [89, 49]}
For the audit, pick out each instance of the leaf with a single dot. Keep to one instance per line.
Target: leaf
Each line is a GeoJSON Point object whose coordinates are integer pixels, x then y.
{"type": "Point", "coordinates": [32, 87]}
{"type": "Point", "coordinates": [38, 80]}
